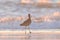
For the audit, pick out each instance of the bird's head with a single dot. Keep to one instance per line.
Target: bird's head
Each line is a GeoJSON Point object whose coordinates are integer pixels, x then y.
{"type": "Point", "coordinates": [29, 15]}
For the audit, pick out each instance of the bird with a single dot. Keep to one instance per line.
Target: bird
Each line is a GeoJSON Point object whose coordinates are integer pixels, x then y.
{"type": "Point", "coordinates": [26, 23]}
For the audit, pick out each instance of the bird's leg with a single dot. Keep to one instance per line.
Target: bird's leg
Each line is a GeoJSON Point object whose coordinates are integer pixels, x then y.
{"type": "Point", "coordinates": [25, 30]}
{"type": "Point", "coordinates": [29, 30]}
{"type": "Point", "coordinates": [25, 33]}
{"type": "Point", "coordinates": [29, 34]}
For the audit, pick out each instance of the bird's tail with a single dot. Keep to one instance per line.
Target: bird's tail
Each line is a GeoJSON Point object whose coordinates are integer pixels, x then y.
{"type": "Point", "coordinates": [21, 24]}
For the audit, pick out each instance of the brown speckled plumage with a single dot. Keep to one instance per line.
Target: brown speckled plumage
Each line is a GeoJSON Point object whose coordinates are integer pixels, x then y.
{"type": "Point", "coordinates": [27, 22]}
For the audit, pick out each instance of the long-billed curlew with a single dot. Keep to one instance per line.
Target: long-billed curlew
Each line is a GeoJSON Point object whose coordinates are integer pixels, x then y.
{"type": "Point", "coordinates": [27, 23]}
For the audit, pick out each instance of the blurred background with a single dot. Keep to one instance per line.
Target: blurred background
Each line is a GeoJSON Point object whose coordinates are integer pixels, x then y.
{"type": "Point", "coordinates": [14, 12]}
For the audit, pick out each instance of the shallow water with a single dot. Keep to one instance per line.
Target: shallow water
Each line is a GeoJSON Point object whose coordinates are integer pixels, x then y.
{"type": "Point", "coordinates": [35, 35]}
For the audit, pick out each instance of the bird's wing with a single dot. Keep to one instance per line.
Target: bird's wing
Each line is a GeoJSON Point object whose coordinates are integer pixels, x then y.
{"type": "Point", "coordinates": [24, 22]}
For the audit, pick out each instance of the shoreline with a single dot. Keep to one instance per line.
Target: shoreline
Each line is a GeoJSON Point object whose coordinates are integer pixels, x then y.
{"type": "Point", "coordinates": [41, 30]}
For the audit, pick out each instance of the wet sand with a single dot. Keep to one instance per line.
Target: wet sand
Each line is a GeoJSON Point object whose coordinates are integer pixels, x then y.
{"type": "Point", "coordinates": [35, 35]}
